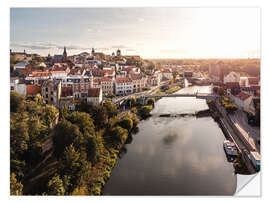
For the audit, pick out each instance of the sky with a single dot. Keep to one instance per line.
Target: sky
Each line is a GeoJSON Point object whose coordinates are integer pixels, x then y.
{"type": "Point", "coordinates": [148, 32]}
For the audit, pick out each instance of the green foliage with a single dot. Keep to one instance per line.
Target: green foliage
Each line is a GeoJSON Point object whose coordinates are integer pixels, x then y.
{"type": "Point", "coordinates": [15, 187]}
{"type": "Point", "coordinates": [64, 135]}
{"type": "Point", "coordinates": [16, 102]}
{"type": "Point", "coordinates": [50, 114]}
{"type": "Point", "coordinates": [126, 123]}
{"type": "Point", "coordinates": [151, 101]}
{"type": "Point", "coordinates": [55, 186]}
{"type": "Point", "coordinates": [115, 137]}
{"type": "Point", "coordinates": [83, 121]}
{"type": "Point", "coordinates": [110, 108]}
{"type": "Point", "coordinates": [75, 168]}
{"type": "Point", "coordinates": [133, 101]}
{"type": "Point", "coordinates": [144, 111]}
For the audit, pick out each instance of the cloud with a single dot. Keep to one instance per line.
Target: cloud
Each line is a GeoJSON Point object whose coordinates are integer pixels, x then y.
{"type": "Point", "coordinates": [140, 19]}
{"type": "Point", "coordinates": [44, 46]}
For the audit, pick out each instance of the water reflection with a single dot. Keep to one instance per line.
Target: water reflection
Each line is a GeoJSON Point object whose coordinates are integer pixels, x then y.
{"type": "Point", "coordinates": [174, 156]}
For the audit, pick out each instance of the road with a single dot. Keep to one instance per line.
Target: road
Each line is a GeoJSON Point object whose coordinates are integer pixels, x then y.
{"type": "Point", "coordinates": [237, 137]}
{"type": "Point", "coordinates": [240, 118]}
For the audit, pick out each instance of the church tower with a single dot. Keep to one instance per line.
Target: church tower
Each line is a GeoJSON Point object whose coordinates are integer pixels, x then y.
{"type": "Point", "coordinates": [65, 55]}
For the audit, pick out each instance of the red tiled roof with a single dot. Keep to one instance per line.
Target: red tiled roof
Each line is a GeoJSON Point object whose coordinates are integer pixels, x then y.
{"type": "Point", "coordinates": [253, 80]}
{"type": "Point", "coordinates": [55, 72]}
{"type": "Point", "coordinates": [243, 96]}
{"type": "Point", "coordinates": [104, 79]}
{"type": "Point", "coordinates": [40, 74]}
{"type": "Point", "coordinates": [33, 89]}
{"type": "Point", "coordinates": [136, 76]}
{"type": "Point", "coordinates": [93, 92]}
{"type": "Point", "coordinates": [122, 80]}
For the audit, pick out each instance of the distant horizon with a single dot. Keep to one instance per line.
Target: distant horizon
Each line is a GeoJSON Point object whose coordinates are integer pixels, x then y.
{"type": "Point", "coordinates": [21, 51]}
{"type": "Point", "coordinates": [148, 32]}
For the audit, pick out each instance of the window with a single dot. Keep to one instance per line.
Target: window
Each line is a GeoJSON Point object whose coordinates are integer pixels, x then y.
{"type": "Point", "coordinates": [46, 95]}
{"type": "Point", "coordinates": [46, 89]}
{"type": "Point", "coordinates": [51, 99]}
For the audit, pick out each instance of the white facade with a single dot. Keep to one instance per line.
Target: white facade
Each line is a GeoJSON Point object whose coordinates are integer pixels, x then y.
{"type": "Point", "coordinates": [243, 104]}
{"type": "Point", "coordinates": [58, 74]}
{"type": "Point", "coordinates": [20, 88]}
{"type": "Point", "coordinates": [232, 77]}
{"type": "Point", "coordinates": [123, 87]}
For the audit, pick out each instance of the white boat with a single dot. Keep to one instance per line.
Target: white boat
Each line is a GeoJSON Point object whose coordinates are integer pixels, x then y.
{"type": "Point", "coordinates": [230, 148]}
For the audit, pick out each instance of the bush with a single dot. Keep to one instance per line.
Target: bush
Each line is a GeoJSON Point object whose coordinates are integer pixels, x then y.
{"type": "Point", "coordinates": [144, 111]}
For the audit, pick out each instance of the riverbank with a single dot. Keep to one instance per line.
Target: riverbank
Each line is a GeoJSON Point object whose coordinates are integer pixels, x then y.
{"type": "Point", "coordinates": [101, 172]}
{"type": "Point", "coordinates": [239, 165]}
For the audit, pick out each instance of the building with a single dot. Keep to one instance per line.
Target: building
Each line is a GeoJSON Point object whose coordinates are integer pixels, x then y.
{"type": "Point", "coordinates": [94, 96]}
{"type": "Point", "coordinates": [123, 86]}
{"type": "Point", "coordinates": [249, 81]}
{"type": "Point", "coordinates": [17, 86]}
{"type": "Point", "coordinates": [60, 58]}
{"type": "Point", "coordinates": [33, 90]}
{"type": "Point", "coordinates": [232, 77]}
{"type": "Point", "coordinates": [67, 98]}
{"type": "Point", "coordinates": [21, 65]}
{"type": "Point", "coordinates": [166, 74]}
{"type": "Point", "coordinates": [232, 88]}
{"type": "Point", "coordinates": [254, 105]}
{"type": "Point", "coordinates": [80, 84]}
{"type": "Point", "coordinates": [105, 83]}
{"type": "Point", "coordinates": [138, 81]}
{"type": "Point", "coordinates": [188, 74]}
{"type": "Point", "coordinates": [51, 92]}
{"type": "Point", "coordinates": [242, 100]}
{"type": "Point", "coordinates": [218, 71]}
{"type": "Point", "coordinates": [118, 52]}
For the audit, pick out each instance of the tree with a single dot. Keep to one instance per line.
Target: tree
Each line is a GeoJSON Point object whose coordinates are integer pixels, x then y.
{"type": "Point", "coordinates": [83, 121]}
{"type": "Point", "coordinates": [115, 137]}
{"type": "Point", "coordinates": [151, 101]}
{"type": "Point", "coordinates": [50, 114]}
{"type": "Point", "coordinates": [64, 135]}
{"type": "Point", "coordinates": [126, 123]}
{"type": "Point", "coordinates": [55, 186]}
{"type": "Point", "coordinates": [221, 91]}
{"type": "Point", "coordinates": [15, 187]}
{"type": "Point", "coordinates": [100, 116]}
{"type": "Point", "coordinates": [75, 167]}
{"type": "Point", "coordinates": [144, 111]}
{"type": "Point", "coordinates": [110, 108]}
{"type": "Point", "coordinates": [133, 101]}
{"type": "Point", "coordinates": [16, 102]}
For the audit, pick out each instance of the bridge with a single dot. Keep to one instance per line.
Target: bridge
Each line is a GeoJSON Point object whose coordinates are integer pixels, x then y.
{"type": "Point", "coordinates": [197, 95]}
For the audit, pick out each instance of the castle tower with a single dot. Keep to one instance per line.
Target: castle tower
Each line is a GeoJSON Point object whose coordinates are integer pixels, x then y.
{"type": "Point", "coordinates": [118, 53]}
{"type": "Point", "coordinates": [65, 55]}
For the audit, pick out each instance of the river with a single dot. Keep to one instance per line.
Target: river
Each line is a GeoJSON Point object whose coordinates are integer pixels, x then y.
{"type": "Point", "coordinates": [174, 156]}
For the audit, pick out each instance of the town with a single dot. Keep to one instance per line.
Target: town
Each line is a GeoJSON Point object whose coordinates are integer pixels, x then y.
{"type": "Point", "coordinates": [69, 82]}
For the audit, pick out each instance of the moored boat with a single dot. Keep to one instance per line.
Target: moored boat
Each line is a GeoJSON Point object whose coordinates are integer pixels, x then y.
{"type": "Point", "coordinates": [230, 148]}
